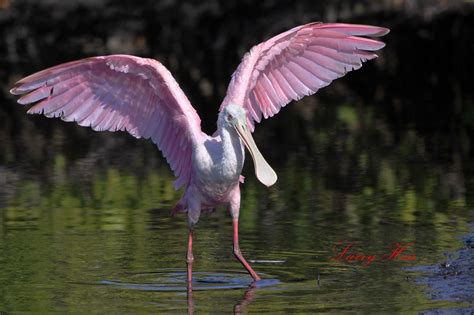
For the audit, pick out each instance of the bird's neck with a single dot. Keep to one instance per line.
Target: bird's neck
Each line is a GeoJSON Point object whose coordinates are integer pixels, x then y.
{"type": "Point", "coordinates": [232, 148]}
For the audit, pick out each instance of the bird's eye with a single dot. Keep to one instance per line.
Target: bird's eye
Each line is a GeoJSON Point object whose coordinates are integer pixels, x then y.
{"type": "Point", "coordinates": [229, 117]}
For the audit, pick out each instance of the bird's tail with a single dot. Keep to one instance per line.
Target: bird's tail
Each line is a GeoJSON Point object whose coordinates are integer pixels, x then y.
{"type": "Point", "coordinates": [179, 207]}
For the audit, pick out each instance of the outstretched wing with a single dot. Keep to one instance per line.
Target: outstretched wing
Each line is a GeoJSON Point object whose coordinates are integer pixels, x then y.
{"type": "Point", "coordinates": [119, 92]}
{"type": "Point", "coordinates": [297, 63]}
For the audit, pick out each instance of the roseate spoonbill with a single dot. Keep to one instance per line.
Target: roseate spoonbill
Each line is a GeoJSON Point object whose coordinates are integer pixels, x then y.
{"type": "Point", "coordinates": [140, 96]}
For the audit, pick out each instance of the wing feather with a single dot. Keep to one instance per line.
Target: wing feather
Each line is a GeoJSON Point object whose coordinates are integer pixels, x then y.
{"type": "Point", "coordinates": [119, 92]}
{"type": "Point", "coordinates": [297, 63]}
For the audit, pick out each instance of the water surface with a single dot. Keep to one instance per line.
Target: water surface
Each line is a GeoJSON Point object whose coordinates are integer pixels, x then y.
{"type": "Point", "coordinates": [94, 233]}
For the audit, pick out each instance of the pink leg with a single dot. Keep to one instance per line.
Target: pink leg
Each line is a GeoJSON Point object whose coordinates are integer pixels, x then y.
{"type": "Point", "coordinates": [189, 261]}
{"type": "Point", "coordinates": [238, 254]}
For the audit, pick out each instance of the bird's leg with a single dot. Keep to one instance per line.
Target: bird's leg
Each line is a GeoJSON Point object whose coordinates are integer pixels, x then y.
{"type": "Point", "coordinates": [194, 210]}
{"type": "Point", "coordinates": [237, 252]}
{"type": "Point", "coordinates": [234, 208]}
{"type": "Point", "coordinates": [189, 261]}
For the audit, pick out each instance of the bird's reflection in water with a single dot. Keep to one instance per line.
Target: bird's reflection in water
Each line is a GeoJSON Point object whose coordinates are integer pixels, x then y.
{"type": "Point", "coordinates": [249, 295]}
{"type": "Point", "coordinates": [239, 307]}
{"type": "Point", "coordinates": [190, 300]}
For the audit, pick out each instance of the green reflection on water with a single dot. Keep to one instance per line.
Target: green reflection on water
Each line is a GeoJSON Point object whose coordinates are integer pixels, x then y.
{"type": "Point", "coordinates": [73, 218]}
{"type": "Point", "coordinates": [62, 236]}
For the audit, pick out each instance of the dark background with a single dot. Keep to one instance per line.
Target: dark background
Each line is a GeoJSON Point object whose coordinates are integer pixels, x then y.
{"type": "Point", "coordinates": [418, 94]}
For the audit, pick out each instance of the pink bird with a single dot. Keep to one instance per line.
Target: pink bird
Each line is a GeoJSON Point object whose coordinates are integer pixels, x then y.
{"type": "Point", "coordinates": [140, 96]}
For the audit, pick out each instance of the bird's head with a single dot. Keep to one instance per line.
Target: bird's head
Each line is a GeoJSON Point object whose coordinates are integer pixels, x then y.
{"type": "Point", "coordinates": [234, 117]}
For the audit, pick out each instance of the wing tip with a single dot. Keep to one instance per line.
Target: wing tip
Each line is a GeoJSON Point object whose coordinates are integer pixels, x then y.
{"type": "Point", "coordinates": [371, 31]}
{"type": "Point", "coordinates": [16, 89]}
{"type": "Point", "coordinates": [382, 31]}
{"type": "Point", "coordinates": [34, 110]}
{"type": "Point", "coordinates": [22, 101]}
{"type": "Point", "coordinates": [377, 45]}
{"type": "Point", "coordinates": [355, 29]}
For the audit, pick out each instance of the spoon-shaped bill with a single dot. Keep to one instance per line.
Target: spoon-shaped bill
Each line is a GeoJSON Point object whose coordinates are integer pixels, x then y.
{"type": "Point", "coordinates": [264, 172]}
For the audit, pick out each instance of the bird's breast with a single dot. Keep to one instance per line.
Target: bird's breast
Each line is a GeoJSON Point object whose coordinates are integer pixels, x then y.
{"type": "Point", "coordinates": [217, 169]}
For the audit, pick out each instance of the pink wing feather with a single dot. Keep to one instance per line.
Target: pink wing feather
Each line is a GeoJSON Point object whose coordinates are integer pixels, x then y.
{"type": "Point", "coordinates": [297, 63]}
{"type": "Point", "coordinates": [119, 92]}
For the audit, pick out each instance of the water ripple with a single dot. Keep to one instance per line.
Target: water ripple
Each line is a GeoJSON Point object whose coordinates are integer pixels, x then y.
{"type": "Point", "coordinates": [175, 280]}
